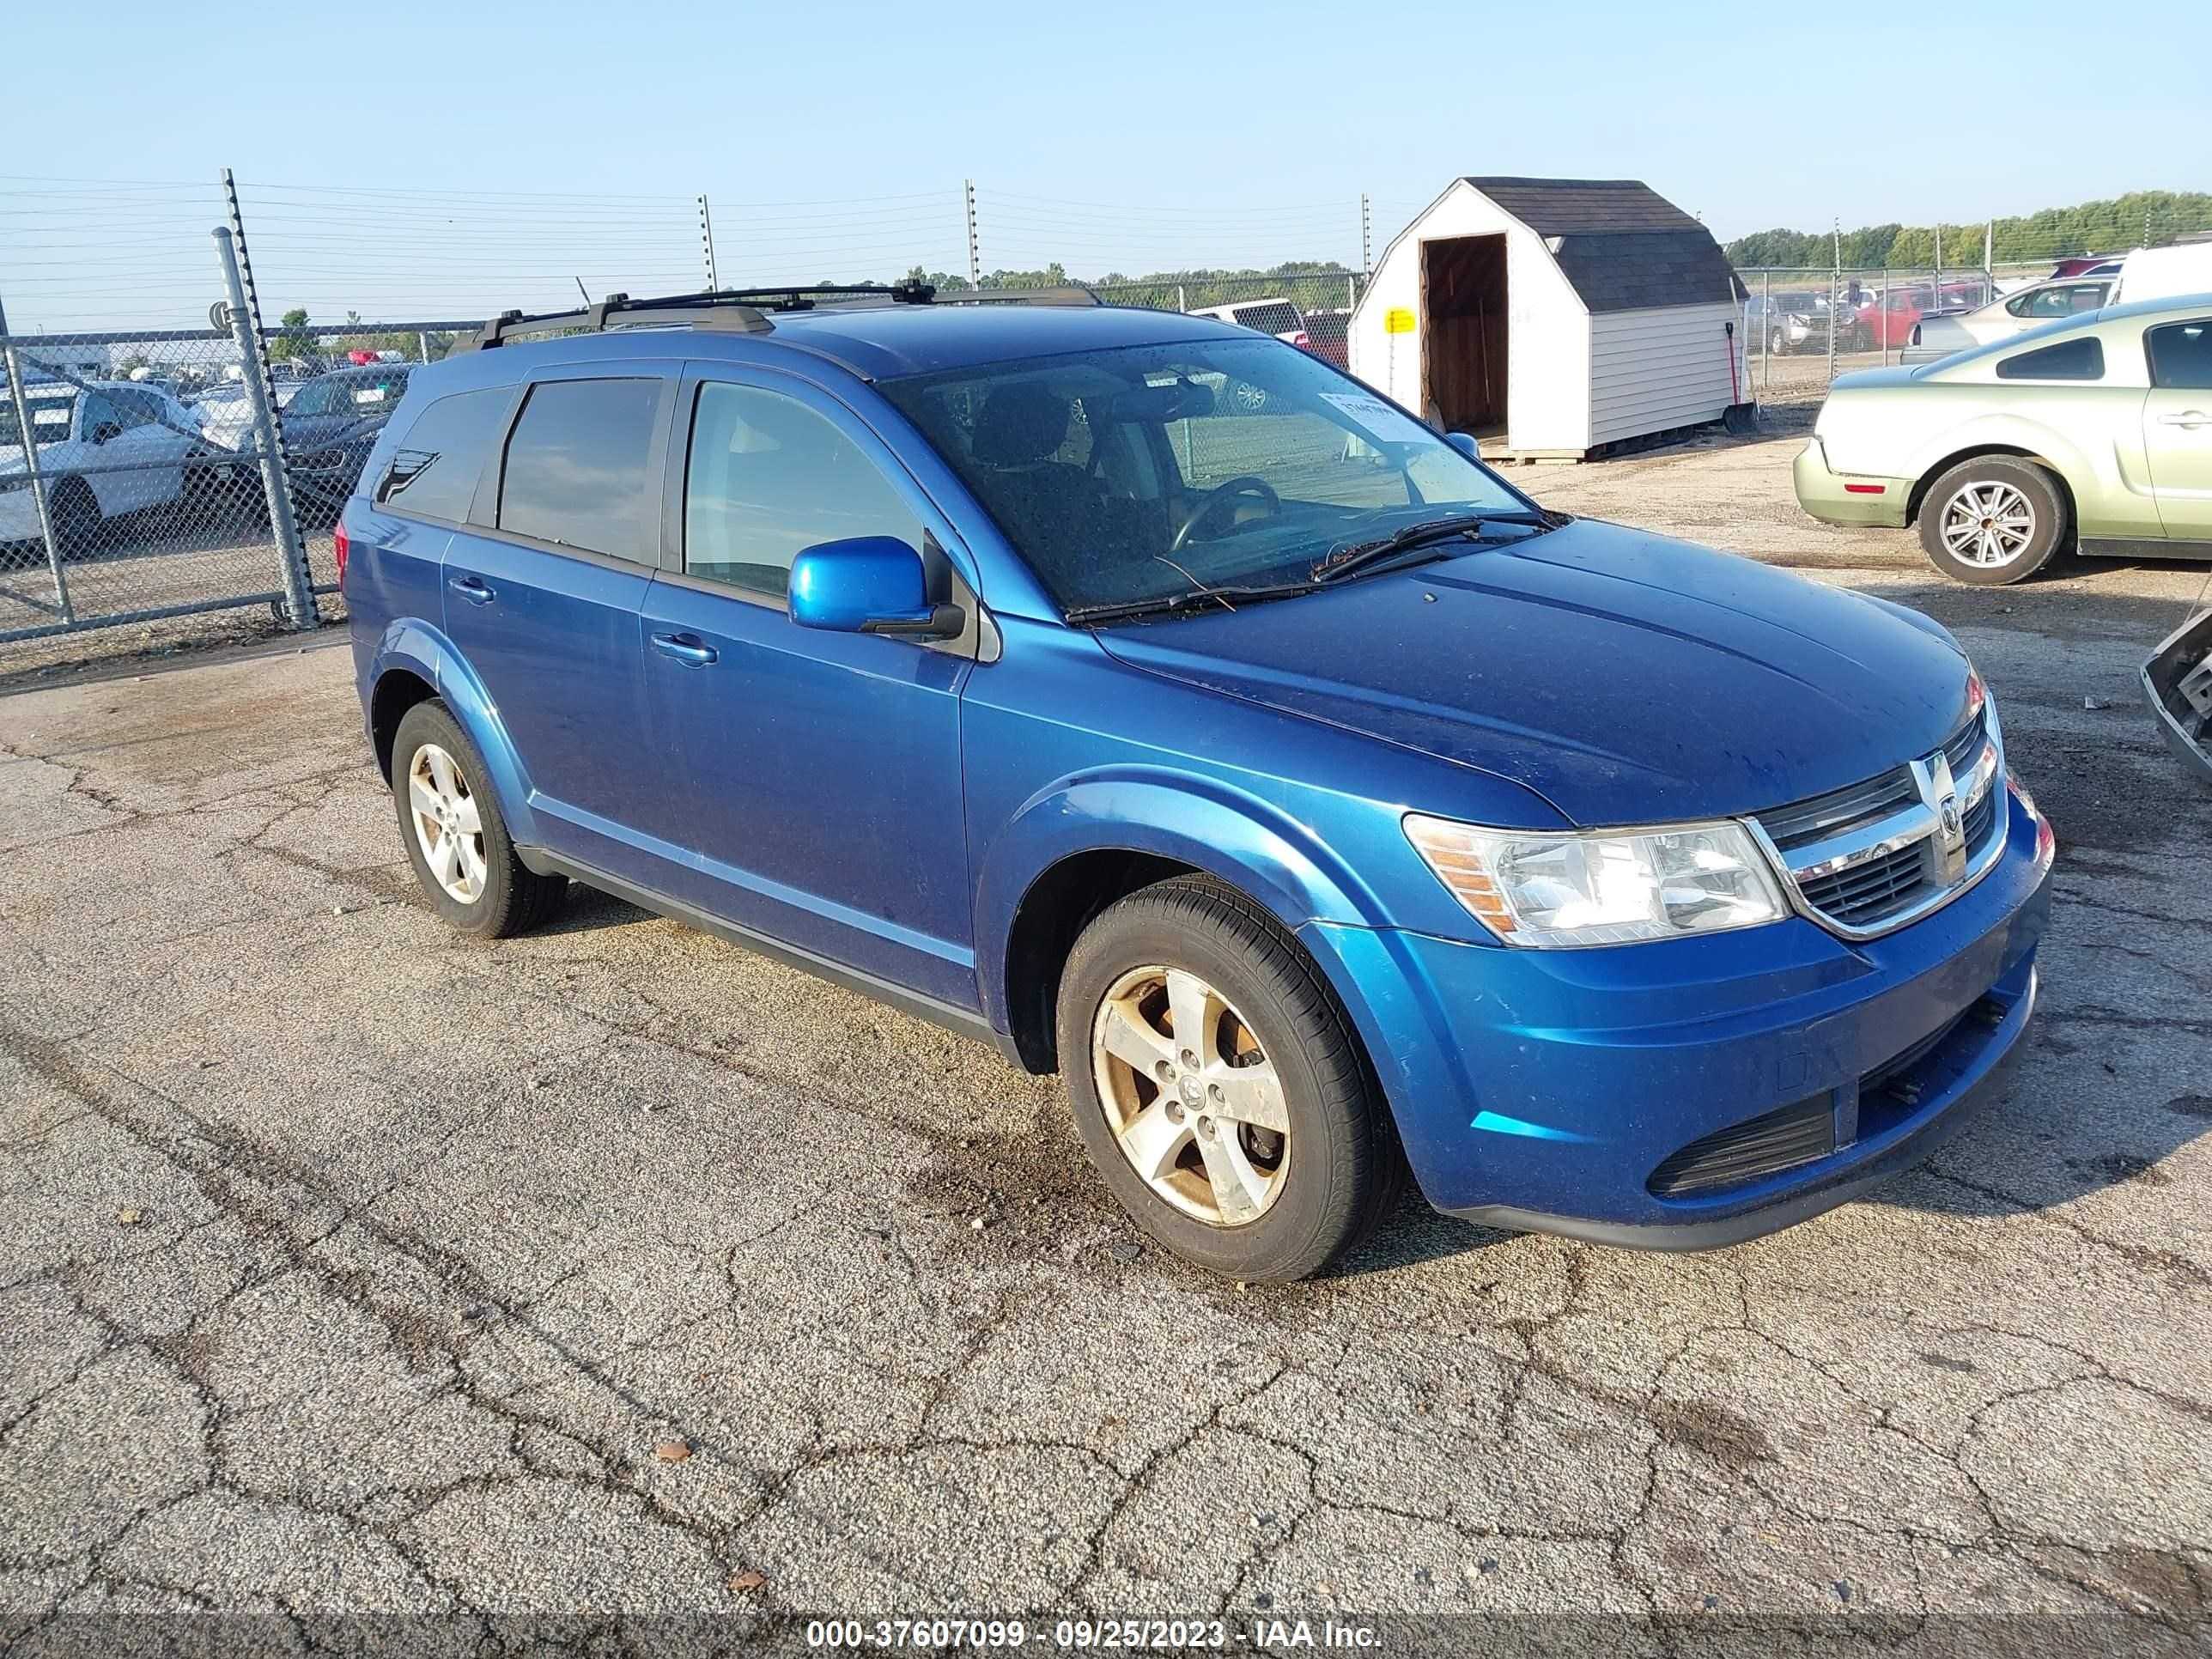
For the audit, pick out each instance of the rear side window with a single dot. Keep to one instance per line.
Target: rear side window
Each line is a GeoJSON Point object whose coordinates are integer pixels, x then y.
{"type": "Point", "coordinates": [434, 471]}
{"type": "Point", "coordinates": [2070, 360]}
{"type": "Point", "coordinates": [769, 478]}
{"type": "Point", "coordinates": [576, 468]}
{"type": "Point", "coordinates": [2181, 356]}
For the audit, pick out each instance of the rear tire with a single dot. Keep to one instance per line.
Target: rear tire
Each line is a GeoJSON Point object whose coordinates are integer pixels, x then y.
{"type": "Point", "coordinates": [1219, 1186]}
{"type": "Point", "coordinates": [455, 835]}
{"type": "Point", "coordinates": [76, 519]}
{"type": "Point", "coordinates": [1993, 519]}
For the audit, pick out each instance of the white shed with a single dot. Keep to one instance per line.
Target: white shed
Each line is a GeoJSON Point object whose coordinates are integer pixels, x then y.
{"type": "Point", "coordinates": [1552, 317]}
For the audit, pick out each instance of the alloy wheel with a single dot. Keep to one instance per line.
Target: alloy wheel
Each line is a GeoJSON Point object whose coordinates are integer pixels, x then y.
{"type": "Point", "coordinates": [447, 826]}
{"type": "Point", "coordinates": [1190, 1097]}
{"type": "Point", "coordinates": [1988, 524]}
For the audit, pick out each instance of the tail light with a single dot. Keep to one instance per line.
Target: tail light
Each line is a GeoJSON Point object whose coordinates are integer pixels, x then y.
{"type": "Point", "coordinates": [341, 546]}
{"type": "Point", "coordinates": [1302, 340]}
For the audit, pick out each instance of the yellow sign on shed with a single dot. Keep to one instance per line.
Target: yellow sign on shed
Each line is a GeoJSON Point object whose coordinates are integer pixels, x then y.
{"type": "Point", "coordinates": [1397, 320]}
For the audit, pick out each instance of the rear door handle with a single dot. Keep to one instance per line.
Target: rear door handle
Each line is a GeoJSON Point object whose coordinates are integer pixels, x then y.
{"type": "Point", "coordinates": [685, 647]}
{"type": "Point", "coordinates": [2187, 417]}
{"type": "Point", "coordinates": [474, 589]}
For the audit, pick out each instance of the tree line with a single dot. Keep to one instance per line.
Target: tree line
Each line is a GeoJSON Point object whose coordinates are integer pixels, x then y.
{"type": "Point", "coordinates": [2143, 218]}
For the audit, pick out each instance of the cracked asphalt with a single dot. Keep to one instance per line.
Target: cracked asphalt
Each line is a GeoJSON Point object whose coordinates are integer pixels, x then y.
{"type": "Point", "coordinates": [350, 1268]}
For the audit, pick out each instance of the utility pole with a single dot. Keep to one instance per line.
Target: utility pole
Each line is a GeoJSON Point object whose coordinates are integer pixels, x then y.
{"type": "Point", "coordinates": [974, 247]}
{"type": "Point", "coordinates": [707, 243]}
{"type": "Point", "coordinates": [1366, 237]}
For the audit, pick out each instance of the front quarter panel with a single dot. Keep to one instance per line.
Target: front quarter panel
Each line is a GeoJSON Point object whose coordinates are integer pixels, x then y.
{"type": "Point", "coordinates": [1068, 751]}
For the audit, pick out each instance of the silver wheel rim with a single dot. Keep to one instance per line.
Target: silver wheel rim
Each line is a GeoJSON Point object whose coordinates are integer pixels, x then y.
{"type": "Point", "coordinates": [1250, 397]}
{"type": "Point", "coordinates": [447, 826]}
{"type": "Point", "coordinates": [1190, 1097]}
{"type": "Point", "coordinates": [1988, 524]}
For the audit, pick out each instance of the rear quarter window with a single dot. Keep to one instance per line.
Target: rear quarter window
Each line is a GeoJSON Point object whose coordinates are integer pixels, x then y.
{"type": "Point", "coordinates": [578, 468]}
{"type": "Point", "coordinates": [2070, 360]}
{"type": "Point", "coordinates": [434, 470]}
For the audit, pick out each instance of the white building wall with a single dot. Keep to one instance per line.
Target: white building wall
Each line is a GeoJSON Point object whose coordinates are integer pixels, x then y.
{"type": "Point", "coordinates": [1651, 370]}
{"type": "Point", "coordinates": [1548, 335]}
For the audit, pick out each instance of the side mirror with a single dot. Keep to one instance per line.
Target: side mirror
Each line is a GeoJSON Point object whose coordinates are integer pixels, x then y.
{"type": "Point", "coordinates": [1465, 443]}
{"type": "Point", "coordinates": [106, 431]}
{"type": "Point", "coordinates": [868, 584]}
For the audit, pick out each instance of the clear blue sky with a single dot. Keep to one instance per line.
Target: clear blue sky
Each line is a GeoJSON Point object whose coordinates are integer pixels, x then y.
{"type": "Point", "coordinates": [1128, 136]}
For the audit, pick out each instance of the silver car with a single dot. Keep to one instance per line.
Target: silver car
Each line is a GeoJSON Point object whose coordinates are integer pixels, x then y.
{"type": "Point", "coordinates": [2094, 432]}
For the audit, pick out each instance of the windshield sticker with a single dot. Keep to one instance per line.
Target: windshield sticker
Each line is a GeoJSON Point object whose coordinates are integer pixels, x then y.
{"type": "Point", "coordinates": [1371, 415]}
{"type": "Point", "coordinates": [370, 395]}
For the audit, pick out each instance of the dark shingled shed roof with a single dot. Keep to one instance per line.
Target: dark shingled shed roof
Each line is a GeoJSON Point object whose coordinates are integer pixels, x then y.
{"type": "Point", "coordinates": [1623, 245]}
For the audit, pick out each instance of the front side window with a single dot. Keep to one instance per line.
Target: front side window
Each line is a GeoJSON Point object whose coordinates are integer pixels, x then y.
{"type": "Point", "coordinates": [769, 477]}
{"type": "Point", "coordinates": [2078, 359]}
{"type": "Point", "coordinates": [2181, 356]}
{"type": "Point", "coordinates": [434, 471]}
{"type": "Point", "coordinates": [577, 468]}
{"type": "Point", "coordinates": [1215, 462]}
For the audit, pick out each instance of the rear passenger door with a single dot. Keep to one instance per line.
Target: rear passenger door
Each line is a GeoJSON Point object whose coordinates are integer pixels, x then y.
{"type": "Point", "coordinates": [823, 768]}
{"type": "Point", "coordinates": [542, 586]}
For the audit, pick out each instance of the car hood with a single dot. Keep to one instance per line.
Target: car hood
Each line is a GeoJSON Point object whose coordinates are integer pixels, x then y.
{"type": "Point", "coordinates": [1624, 677]}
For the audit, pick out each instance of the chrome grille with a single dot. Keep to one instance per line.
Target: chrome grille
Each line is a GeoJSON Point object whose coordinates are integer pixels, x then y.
{"type": "Point", "coordinates": [1867, 892]}
{"type": "Point", "coordinates": [1827, 815]}
{"type": "Point", "coordinates": [1874, 855]}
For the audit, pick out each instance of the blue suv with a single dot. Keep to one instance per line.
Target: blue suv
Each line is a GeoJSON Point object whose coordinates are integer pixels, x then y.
{"type": "Point", "coordinates": [1320, 807]}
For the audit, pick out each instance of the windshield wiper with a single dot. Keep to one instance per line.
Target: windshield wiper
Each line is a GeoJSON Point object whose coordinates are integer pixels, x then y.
{"type": "Point", "coordinates": [1465, 527]}
{"type": "Point", "coordinates": [1195, 599]}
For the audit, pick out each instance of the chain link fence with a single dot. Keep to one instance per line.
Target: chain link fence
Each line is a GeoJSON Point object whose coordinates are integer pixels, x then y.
{"type": "Point", "coordinates": [1309, 308]}
{"type": "Point", "coordinates": [152, 474]}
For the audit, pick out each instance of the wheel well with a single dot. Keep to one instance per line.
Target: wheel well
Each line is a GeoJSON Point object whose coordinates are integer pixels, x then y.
{"type": "Point", "coordinates": [1928, 479]}
{"type": "Point", "coordinates": [396, 693]}
{"type": "Point", "coordinates": [1059, 905]}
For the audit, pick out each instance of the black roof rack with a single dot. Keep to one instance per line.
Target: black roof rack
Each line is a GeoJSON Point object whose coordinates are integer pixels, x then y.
{"type": "Point", "coordinates": [746, 310]}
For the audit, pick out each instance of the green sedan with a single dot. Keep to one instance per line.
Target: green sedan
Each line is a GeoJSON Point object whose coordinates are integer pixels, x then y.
{"type": "Point", "coordinates": [2093, 434]}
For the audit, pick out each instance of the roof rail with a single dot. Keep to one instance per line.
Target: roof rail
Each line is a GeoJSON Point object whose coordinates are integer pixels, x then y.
{"type": "Point", "coordinates": [745, 310]}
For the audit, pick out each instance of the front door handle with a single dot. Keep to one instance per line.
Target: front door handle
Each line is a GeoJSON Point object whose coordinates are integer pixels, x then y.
{"type": "Point", "coordinates": [474, 589]}
{"type": "Point", "coordinates": [685, 647]}
{"type": "Point", "coordinates": [2189, 417]}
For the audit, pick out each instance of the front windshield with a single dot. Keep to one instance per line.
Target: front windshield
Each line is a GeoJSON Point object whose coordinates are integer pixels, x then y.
{"type": "Point", "coordinates": [49, 419]}
{"type": "Point", "coordinates": [1136, 474]}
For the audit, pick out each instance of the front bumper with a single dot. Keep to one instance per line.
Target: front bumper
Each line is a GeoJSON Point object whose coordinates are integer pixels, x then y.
{"type": "Point", "coordinates": [2178, 681]}
{"type": "Point", "coordinates": [1544, 1090]}
{"type": "Point", "coordinates": [1847, 498]}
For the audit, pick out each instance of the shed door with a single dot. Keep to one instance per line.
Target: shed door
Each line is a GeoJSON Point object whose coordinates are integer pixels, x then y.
{"type": "Point", "coordinates": [1463, 355]}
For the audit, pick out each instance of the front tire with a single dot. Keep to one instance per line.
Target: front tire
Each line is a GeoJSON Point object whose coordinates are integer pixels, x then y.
{"type": "Point", "coordinates": [1993, 519]}
{"type": "Point", "coordinates": [455, 836]}
{"type": "Point", "coordinates": [1219, 1087]}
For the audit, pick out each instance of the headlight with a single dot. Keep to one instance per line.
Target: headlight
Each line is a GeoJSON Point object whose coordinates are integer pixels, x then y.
{"type": "Point", "coordinates": [1605, 887]}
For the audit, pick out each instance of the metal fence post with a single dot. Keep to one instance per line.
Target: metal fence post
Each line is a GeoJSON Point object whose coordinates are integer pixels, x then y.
{"type": "Point", "coordinates": [38, 502]}
{"type": "Point", "coordinates": [974, 247]}
{"type": "Point", "coordinates": [706, 242]}
{"type": "Point", "coordinates": [1182, 302]}
{"type": "Point", "coordinates": [276, 483]}
{"type": "Point", "coordinates": [1766, 326]}
{"type": "Point", "coordinates": [1882, 312]}
{"type": "Point", "coordinates": [1366, 236]}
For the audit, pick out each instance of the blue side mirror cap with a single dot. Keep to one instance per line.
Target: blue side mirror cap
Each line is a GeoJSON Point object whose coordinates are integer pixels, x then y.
{"type": "Point", "coordinates": [868, 584]}
{"type": "Point", "coordinates": [1465, 443]}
